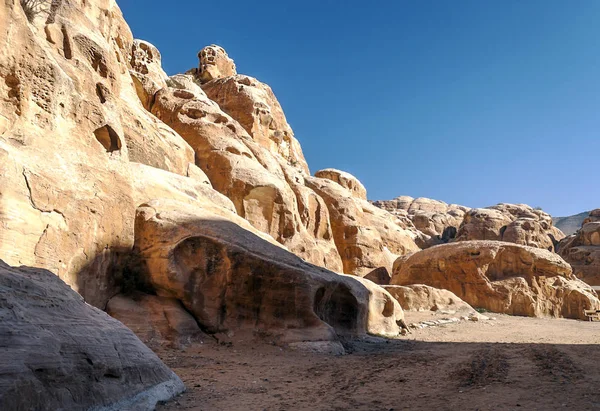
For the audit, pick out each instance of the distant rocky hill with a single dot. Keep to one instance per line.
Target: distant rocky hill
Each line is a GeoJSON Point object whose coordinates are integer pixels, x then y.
{"type": "Point", "coordinates": [569, 225]}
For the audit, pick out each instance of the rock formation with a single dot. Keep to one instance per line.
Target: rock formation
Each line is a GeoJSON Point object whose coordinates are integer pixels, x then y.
{"type": "Point", "coordinates": [157, 321]}
{"type": "Point", "coordinates": [500, 277]}
{"type": "Point", "coordinates": [571, 224]}
{"type": "Point", "coordinates": [419, 297]}
{"type": "Point", "coordinates": [433, 221]}
{"type": "Point", "coordinates": [230, 278]}
{"type": "Point", "coordinates": [582, 250]}
{"type": "Point", "coordinates": [513, 223]}
{"type": "Point", "coordinates": [436, 222]}
{"type": "Point", "coordinates": [366, 236]}
{"type": "Point", "coordinates": [214, 64]}
{"type": "Point", "coordinates": [256, 108]}
{"type": "Point", "coordinates": [57, 352]}
{"type": "Point", "coordinates": [346, 180]}
{"type": "Point", "coordinates": [195, 188]}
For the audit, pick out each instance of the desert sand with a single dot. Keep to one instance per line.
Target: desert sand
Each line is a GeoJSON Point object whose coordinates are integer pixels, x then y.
{"type": "Point", "coordinates": [506, 363]}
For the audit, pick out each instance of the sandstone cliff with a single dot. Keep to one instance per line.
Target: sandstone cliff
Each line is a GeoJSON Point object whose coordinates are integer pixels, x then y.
{"type": "Point", "coordinates": [192, 187]}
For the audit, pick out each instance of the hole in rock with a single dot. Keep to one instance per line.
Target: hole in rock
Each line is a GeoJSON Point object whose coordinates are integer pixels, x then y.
{"type": "Point", "coordinates": [388, 308]}
{"type": "Point", "coordinates": [108, 138]}
{"type": "Point", "coordinates": [337, 307]}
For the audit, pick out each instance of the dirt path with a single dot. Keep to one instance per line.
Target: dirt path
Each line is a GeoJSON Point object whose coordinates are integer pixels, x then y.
{"type": "Point", "coordinates": [510, 363]}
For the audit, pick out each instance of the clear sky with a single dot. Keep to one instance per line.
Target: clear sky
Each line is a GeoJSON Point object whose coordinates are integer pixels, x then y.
{"type": "Point", "coordinates": [467, 101]}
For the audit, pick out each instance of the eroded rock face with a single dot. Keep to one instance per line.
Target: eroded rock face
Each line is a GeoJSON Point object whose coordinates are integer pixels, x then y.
{"type": "Point", "coordinates": [500, 277]}
{"type": "Point", "coordinates": [146, 71]}
{"type": "Point", "coordinates": [346, 180]}
{"type": "Point", "coordinates": [71, 121]}
{"type": "Point", "coordinates": [157, 321]}
{"type": "Point", "coordinates": [266, 192]}
{"type": "Point", "coordinates": [434, 222]}
{"type": "Point", "coordinates": [366, 236]}
{"type": "Point", "coordinates": [60, 353]}
{"type": "Point", "coordinates": [230, 278]}
{"type": "Point", "coordinates": [419, 297]}
{"type": "Point", "coordinates": [514, 223]}
{"type": "Point", "coordinates": [582, 250]}
{"type": "Point", "coordinates": [215, 63]}
{"type": "Point", "coordinates": [256, 108]}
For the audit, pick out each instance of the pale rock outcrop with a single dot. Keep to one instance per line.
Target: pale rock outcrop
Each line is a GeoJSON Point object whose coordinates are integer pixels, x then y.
{"type": "Point", "coordinates": [214, 63]}
{"type": "Point", "coordinates": [483, 224]}
{"type": "Point", "coordinates": [346, 180]}
{"type": "Point", "coordinates": [146, 71]}
{"type": "Point", "coordinates": [150, 141]}
{"type": "Point", "coordinates": [157, 321]}
{"type": "Point", "coordinates": [229, 279]}
{"type": "Point", "coordinates": [366, 237]}
{"type": "Point", "coordinates": [582, 250]}
{"type": "Point", "coordinates": [71, 122]}
{"type": "Point", "coordinates": [256, 108]}
{"type": "Point", "coordinates": [434, 221]}
{"type": "Point", "coordinates": [266, 193]}
{"type": "Point", "coordinates": [500, 277]}
{"type": "Point", "coordinates": [151, 183]}
{"type": "Point", "coordinates": [188, 82]}
{"type": "Point", "coordinates": [59, 353]}
{"type": "Point", "coordinates": [419, 297]}
{"type": "Point", "coordinates": [514, 223]}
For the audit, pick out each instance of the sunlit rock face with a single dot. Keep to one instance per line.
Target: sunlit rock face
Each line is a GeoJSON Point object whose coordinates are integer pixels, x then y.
{"type": "Point", "coordinates": [366, 236]}
{"type": "Point", "coordinates": [500, 277]}
{"type": "Point", "coordinates": [435, 222]}
{"type": "Point", "coordinates": [582, 250]}
{"type": "Point", "coordinates": [214, 64]}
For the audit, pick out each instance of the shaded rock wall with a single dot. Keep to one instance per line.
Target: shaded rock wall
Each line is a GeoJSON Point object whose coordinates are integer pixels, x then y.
{"type": "Point", "coordinates": [57, 352]}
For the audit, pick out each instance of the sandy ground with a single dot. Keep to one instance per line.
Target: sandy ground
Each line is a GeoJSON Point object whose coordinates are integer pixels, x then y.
{"type": "Point", "coordinates": [508, 364]}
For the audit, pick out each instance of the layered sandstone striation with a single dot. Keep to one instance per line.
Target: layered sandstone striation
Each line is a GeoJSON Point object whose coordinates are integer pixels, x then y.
{"type": "Point", "coordinates": [500, 277]}
{"type": "Point", "coordinates": [60, 353]}
{"type": "Point", "coordinates": [582, 250]}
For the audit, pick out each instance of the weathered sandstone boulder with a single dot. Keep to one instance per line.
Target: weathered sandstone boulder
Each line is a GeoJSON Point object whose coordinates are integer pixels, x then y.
{"type": "Point", "coordinates": [514, 223]}
{"type": "Point", "coordinates": [256, 108]}
{"type": "Point", "coordinates": [214, 63]}
{"type": "Point", "coordinates": [59, 353]}
{"type": "Point", "coordinates": [582, 250]}
{"type": "Point", "coordinates": [419, 297]}
{"type": "Point", "coordinates": [346, 180]}
{"type": "Point", "coordinates": [500, 277]}
{"type": "Point", "coordinates": [229, 278]}
{"type": "Point", "coordinates": [366, 237]}
{"type": "Point", "coordinates": [157, 321]}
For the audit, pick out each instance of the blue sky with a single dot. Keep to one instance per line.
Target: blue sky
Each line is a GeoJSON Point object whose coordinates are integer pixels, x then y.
{"type": "Point", "coordinates": [469, 102]}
